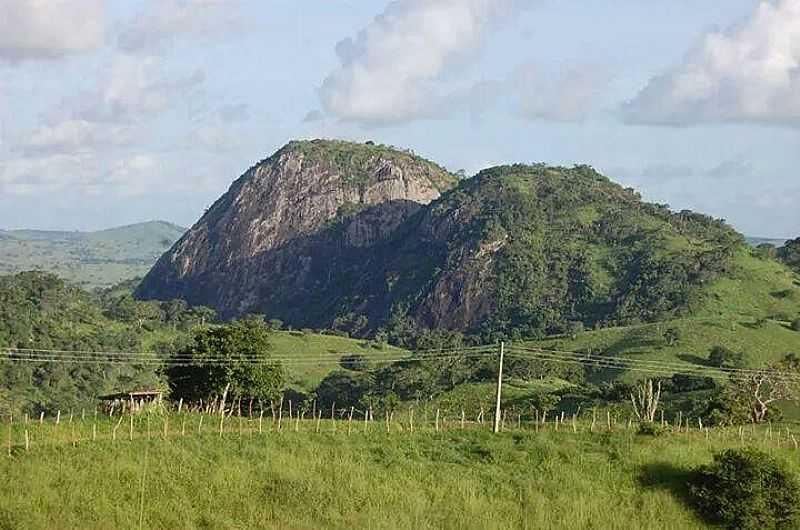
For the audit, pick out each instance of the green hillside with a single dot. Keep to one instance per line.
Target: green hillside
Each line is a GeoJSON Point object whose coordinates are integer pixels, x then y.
{"type": "Point", "coordinates": [41, 311]}
{"type": "Point", "coordinates": [89, 259]}
{"type": "Point", "coordinates": [749, 311]}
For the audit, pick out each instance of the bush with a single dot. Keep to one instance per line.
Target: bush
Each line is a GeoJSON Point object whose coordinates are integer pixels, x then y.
{"type": "Point", "coordinates": [747, 489]}
{"type": "Point", "coordinates": [796, 324]}
{"type": "Point", "coordinates": [650, 429]}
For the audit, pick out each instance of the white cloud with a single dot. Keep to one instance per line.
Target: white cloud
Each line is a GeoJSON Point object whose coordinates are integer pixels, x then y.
{"type": "Point", "coordinates": [82, 174]}
{"type": "Point", "coordinates": [128, 89]}
{"type": "Point", "coordinates": [160, 22]}
{"type": "Point", "coordinates": [568, 95]}
{"type": "Point", "coordinates": [23, 176]}
{"type": "Point", "coordinates": [76, 135]}
{"type": "Point", "coordinates": [50, 28]}
{"type": "Point", "coordinates": [211, 138]}
{"type": "Point", "coordinates": [393, 70]}
{"type": "Point", "coordinates": [748, 73]}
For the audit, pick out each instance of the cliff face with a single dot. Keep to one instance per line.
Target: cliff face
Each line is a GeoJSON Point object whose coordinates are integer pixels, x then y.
{"type": "Point", "coordinates": [257, 238]}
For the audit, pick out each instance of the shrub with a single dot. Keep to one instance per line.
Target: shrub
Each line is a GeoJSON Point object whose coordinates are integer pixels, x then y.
{"type": "Point", "coordinates": [796, 324]}
{"type": "Point", "coordinates": [747, 489]}
{"type": "Point", "coordinates": [650, 429]}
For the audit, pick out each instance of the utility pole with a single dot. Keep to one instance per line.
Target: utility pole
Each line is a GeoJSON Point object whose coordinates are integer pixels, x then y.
{"type": "Point", "coordinates": [496, 427]}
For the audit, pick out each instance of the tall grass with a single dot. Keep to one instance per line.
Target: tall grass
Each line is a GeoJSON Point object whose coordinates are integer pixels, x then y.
{"type": "Point", "coordinates": [369, 479]}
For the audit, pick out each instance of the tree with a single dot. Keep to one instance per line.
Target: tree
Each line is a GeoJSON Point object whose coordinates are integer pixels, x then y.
{"type": "Point", "coordinates": [762, 388]}
{"type": "Point", "coordinates": [722, 357]}
{"type": "Point", "coordinates": [672, 336]}
{"type": "Point", "coordinates": [342, 389]}
{"type": "Point", "coordinates": [354, 362]}
{"type": "Point", "coordinates": [645, 402]}
{"type": "Point", "coordinates": [230, 360]}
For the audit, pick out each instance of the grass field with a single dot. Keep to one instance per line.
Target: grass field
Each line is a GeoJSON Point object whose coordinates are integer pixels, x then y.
{"type": "Point", "coordinates": [459, 479]}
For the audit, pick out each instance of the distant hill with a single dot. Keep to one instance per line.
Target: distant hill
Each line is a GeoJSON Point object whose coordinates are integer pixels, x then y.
{"type": "Point", "coordinates": [89, 259]}
{"type": "Point", "coordinates": [775, 242]}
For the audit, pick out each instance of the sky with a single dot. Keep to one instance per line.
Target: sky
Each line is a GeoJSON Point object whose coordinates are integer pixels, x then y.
{"type": "Point", "coordinates": [114, 112]}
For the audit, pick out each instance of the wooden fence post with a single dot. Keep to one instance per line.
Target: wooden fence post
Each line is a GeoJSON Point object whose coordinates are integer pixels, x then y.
{"type": "Point", "coordinates": [437, 420]}
{"type": "Point", "coordinates": [350, 420]}
{"type": "Point", "coordinates": [131, 429]}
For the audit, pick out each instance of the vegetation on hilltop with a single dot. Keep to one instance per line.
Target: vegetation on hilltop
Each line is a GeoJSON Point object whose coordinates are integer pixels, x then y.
{"type": "Point", "coordinates": [355, 160]}
{"type": "Point", "coordinates": [790, 254]}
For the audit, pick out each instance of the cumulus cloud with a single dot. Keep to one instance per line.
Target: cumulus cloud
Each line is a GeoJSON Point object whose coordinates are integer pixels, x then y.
{"type": "Point", "coordinates": [160, 22]}
{"type": "Point", "coordinates": [393, 70]}
{"type": "Point", "coordinates": [129, 88]}
{"type": "Point", "coordinates": [747, 73]}
{"type": "Point", "coordinates": [75, 135]}
{"type": "Point", "coordinates": [80, 174]}
{"type": "Point", "coordinates": [568, 95]}
{"type": "Point", "coordinates": [50, 28]}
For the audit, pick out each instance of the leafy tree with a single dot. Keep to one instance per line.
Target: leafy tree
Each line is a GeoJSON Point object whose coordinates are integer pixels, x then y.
{"type": "Point", "coordinates": [723, 357]}
{"type": "Point", "coordinates": [790, 254]}
{"type": "Point", "coordinates": [233, 358]}
{"type": "Point", "coordinates": [354, 362]}
{"type": "Point", "coordinates": [342, 389]}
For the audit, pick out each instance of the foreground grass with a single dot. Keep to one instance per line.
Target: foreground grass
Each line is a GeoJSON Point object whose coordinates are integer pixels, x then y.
{"type": "Point", "coordinates": [307, 480]}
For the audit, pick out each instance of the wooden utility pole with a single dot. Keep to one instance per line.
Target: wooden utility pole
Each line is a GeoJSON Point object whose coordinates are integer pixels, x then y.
{"type": "Point", "coordinates": [496, 426]}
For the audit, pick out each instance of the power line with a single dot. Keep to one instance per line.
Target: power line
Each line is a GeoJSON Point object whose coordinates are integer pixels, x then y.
{"type": "Point", "coordinates": [654, 363]}
{"type": "Point", "coordinates": [664, 370]}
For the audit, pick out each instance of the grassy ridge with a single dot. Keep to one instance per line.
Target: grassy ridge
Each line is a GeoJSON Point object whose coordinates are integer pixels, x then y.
{"type": "Point", "coordinates": [303, 480]}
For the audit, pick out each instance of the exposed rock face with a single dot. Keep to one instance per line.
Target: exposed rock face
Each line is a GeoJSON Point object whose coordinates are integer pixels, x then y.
{"type": "Point", "coordinates": [288, 216]}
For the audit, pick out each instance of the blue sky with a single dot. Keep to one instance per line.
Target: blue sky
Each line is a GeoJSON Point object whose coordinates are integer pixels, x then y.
{"type": "Point", "coordinates": [115, 112]}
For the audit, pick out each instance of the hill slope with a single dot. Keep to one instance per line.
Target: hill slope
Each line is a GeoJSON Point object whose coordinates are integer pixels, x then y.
{"type": "Point", "coordinates": [332, 234]}
{"type": "Point", "coordinates": [90, 259]}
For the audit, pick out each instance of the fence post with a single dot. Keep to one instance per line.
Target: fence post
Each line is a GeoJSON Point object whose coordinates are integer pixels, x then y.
{"type": "Point", "coordinates": [10, 428]}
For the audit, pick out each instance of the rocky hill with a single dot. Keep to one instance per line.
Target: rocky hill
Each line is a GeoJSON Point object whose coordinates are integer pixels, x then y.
{"type": "Point", "coordinates": [264, 243]}
{"type": "Point", "coordinates": [357, 237]}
